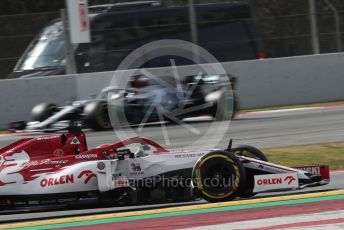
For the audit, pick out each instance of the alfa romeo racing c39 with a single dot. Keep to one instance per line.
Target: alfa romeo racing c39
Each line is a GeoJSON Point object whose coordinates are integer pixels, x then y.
{"type": "Point", "coordinates": [60, 169]}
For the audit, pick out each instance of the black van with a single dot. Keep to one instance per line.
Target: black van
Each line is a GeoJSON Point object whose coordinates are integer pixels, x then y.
{"type": "Point", "coordinates": [224, 29]}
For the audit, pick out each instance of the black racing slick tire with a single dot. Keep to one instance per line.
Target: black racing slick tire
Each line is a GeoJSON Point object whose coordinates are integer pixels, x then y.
{"type": "Point", "coordinates": [97, 116]}
{"type": "Point", "coordinates": [236, 106]}
{"type": "Point", "coordinates": [219, 176]}
{"type": "Point", "coordinates": [223, 108]}
{"type": "Point", "coordinates": [252, 152]}
{"type": "Point", "coordinates": [249, 151]}
{"type": "Point", "coordinates": [43, 111]}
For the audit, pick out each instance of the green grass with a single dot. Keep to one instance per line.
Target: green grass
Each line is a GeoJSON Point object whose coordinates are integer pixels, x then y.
{"type": "Point", "coordinates": [293, 106]}
{"type": "Point", "coordinates": [3, 131]}
{"type": "Point", "coordinates": [329, 153]}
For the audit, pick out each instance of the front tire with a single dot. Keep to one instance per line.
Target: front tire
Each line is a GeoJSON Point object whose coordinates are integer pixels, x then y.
{"type": "Point", "coordinates": [43, 111]}
{"type": "Point", "coordinates": [219, 176]}
{"type": "Point", "coordinates": [97, 116]}
{"type": "Point", "coordinates": [252, 152]}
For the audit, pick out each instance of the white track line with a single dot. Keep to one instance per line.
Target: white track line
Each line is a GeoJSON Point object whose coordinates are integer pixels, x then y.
{"type": "Point", "coordinates": [283, 110]}
{"type": "Point", "coordinates": [270, 222]}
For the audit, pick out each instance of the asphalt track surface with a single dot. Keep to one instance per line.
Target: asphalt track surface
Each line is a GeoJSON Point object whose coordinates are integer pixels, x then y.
{"type": "Point", "coordinates": [262, 129]}
{"type": "Point", "coordinates": [268, 129]}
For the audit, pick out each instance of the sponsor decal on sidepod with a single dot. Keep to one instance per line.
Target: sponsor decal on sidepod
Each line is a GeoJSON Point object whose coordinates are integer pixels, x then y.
{"type": "Point", "coordinates": [275, 182]}
{"type": "Point", "coordinates": [85, 175]}
{"type": "Point", "coordinates": [64, 179]}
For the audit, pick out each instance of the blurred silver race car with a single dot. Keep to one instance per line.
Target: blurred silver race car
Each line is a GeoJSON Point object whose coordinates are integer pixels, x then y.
{"type": "Point", "coordinates": [143, 100]}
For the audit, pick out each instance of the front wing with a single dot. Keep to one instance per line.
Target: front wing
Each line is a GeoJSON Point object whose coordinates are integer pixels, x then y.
{"type": "Point", "coordinates": [273, 177]}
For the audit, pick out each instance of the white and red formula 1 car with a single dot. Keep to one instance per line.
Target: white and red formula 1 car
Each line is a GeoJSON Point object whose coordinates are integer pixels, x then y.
{"type": "Point", "coordinates": [60, 169]}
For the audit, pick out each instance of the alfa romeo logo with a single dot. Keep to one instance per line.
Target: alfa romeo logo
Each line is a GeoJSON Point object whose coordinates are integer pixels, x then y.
{"type": "Point", "coordinates": [170, 95]}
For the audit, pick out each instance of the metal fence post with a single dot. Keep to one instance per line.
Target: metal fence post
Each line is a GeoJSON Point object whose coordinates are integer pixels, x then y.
{"type": "Point", "coordinates": [193, 28]}
{"type": "Point", "coordinates": [337, 24]}
{"type": "Point", "coordinates": [68, 48]}
{"type": "Point", "coordinates": [314, 26]}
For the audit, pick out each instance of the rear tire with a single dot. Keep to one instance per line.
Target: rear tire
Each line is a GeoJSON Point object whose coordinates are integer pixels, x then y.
{"type": "Point", "coordinates": [252, 152]}
{"type": "Point", "coordinates": [219, 176]}
{"type": "Point", "coordinates": [223, 109]}
{"type": "Point", "coordinates": [43, 111]}
{"type": "Point", "coordinates": [97, 116]}
{"type": "Point", "coordinates": [236, 106]}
